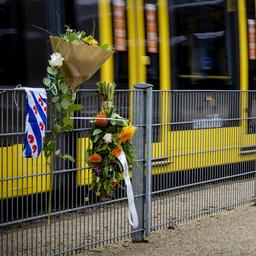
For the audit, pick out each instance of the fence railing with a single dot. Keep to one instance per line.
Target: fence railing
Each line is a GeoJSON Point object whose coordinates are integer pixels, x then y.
{"type": "Point", "coordinates": [196, 155]}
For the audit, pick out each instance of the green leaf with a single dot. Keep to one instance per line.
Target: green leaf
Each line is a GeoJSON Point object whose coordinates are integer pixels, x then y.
{"type": "Point", "coordinates": [104, 47]}
{"type": "Point", "coordinates": [67, 124]}
{"type": "Point", "coordinates": [89, 151]}
{"type": "Point", "coordinates": [118, 120]}
{"type": "Point", "coordinates": [119, 165]}
{"type": "Point", "coordinates": [96, 131]}
{"type": "Point", "coordinates": [56, 127]}
{"type": "Point", "coordinates": [52, 71]}
{"type": "Point", "coordinates": [65, 103]}
{"type": "Point", "coordinates": [68, 157]}
{"type": "Point", "coordinates": [71, 36]}
{"type": "Point", "coordinates": [87, 154]}
{"type": "Point", "coordinates": [96, 138]}
{"type": "Point", "coordinates": [49, 147]}
{"type": "Point", "coordinates": [53, 89]}
{"type": "Point", "coordinates": [57, 153]}
{"type": "Point", "coordinates": [67, 121]}
{"type": "Point", "coordinates": [106, 170]}
{"type": "Point", "coordinates": [63, 87]}
{"type": "Point", "coordinates": [58, 107]}
{"type": "Point", "coordinates": [55, 99]}
{"type": "Point", "coordinates": [73, 95]}
{"type": "Point", "coordinates": [75, 107]}
{"type": "Point", "coordinates": [47, 81]}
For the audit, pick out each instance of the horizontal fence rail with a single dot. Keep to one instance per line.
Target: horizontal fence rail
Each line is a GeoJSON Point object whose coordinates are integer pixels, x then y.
{"type": "Point", "coordinates": [201, 160]}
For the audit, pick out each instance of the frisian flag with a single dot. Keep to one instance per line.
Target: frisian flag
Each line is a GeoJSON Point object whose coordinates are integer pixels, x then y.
{"type": "Point", "coordinates": [36, 116]}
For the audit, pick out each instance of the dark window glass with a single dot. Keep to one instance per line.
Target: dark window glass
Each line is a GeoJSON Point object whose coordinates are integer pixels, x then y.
{"type": "Point", "coordinates": [203, 43]}
{"type": "Point", "coordinates": [23, 48]}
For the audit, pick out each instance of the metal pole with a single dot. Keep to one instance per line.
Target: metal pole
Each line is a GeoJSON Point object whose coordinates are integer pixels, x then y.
{"type": "Point", "coordinates": [148, 156]}
{"type": "Point", "coordinates": [142, 118]}
{"type": "Point", "coordinates": [138, 171]}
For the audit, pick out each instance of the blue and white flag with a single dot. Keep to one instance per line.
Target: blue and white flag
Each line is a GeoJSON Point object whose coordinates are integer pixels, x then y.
{"type": "Point", "coordinates": [36, 116]}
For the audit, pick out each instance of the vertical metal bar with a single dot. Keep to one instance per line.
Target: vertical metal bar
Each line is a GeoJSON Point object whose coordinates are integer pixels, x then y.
{"type": "Point", "coordinates": [148, 152]}
{"type": "Point", "coordinates": [148, 157]}
{"type": "Point", "coordinates": [138, 171]}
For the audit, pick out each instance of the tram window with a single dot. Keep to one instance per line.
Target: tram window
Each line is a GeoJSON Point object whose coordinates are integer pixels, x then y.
{"type": "Point", "coordinates": [21, 60]}
{"type": "Point", "coordinates": [203, 44]}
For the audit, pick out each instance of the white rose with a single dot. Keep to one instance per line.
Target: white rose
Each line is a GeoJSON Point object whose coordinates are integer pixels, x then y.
{"type": "Point", "coordinates": [56, 60]}
{"type": "Point", "coordinates": [107, 138]}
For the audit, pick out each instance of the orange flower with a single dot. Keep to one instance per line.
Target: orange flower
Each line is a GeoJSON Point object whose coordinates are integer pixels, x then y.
{"type": "Point", "coordinates": [126, 133]}
{"type": "Point", "coordinates": [95, 158]}
{"type": "Point", "coordinates": [117, 152]}
{"type": "Point", "coordinates": [99, 120]}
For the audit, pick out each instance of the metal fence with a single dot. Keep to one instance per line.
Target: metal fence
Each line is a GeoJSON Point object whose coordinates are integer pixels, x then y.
{"type": "Point", "coordinates": [196, 155]}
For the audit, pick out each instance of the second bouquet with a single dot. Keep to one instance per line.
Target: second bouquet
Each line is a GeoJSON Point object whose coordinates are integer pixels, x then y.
{"type": "Point", "coordinates": [111, 137]}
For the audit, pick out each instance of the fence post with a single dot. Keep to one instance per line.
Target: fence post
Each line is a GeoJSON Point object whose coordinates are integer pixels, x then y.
{"type": "Point", "coordinates": [142, 118]}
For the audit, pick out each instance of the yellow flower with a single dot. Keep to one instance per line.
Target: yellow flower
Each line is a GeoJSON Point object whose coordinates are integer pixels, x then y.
{"type": "Point", "coordinates": [90, 40]}
{"type": "Point", "coordinates": [85, 39]}
{"type": "Point", "coordinates": [95, 158]}
{"type": "Point", "coordinates": [93, 42]}
{"type": "Point", "coordinates": [126, 134]}
{"type": "Point", "coordinates": [117, 152]}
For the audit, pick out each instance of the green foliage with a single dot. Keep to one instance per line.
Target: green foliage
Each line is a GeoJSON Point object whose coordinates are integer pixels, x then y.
{"type": "Point", "coordinates": [49, 147]}
{"type": "Point", "coordinates": [130, 153]}
{"type": "Point", "coordinates": [75, 107]}
{"type": "Point", "coordinates": [63, 101]}
{"type": "Point", "coordinates": [106, 90]}
{"type": "Point", "coordinates": [80, 37]}
{"type": "Point", "coordinates": [68, 157]}
{"type": "Point", "coordinates": [104, 46]}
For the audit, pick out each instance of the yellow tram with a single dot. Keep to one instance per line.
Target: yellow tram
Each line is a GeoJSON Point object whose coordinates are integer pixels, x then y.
{"type": "Point", "coordinates": [175, 45]}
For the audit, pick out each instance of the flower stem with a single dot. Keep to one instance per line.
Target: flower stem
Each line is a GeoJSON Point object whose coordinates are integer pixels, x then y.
{"type": "Point", "coordinates": [51, 166]}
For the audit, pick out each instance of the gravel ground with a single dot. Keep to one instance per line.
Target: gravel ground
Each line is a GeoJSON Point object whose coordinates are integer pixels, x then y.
{"type": "Point", "coordinates": [230, 232]}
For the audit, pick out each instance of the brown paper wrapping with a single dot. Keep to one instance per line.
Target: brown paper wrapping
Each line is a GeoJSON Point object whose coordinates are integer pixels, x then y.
{"type": "Point", "coordinates": [81, 61]}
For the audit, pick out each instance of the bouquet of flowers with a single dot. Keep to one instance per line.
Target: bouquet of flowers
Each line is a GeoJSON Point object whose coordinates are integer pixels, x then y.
{"type": "Point", "coordinates": [111, 134]}
{"type": "Point", "coordinates": [76, 58]}
{"type": "Point", "coordinates": [82, 55]}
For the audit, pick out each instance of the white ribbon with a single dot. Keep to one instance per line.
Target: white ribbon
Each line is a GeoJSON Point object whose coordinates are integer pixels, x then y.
{"type": "Point", "coordinates": [132, 213]}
